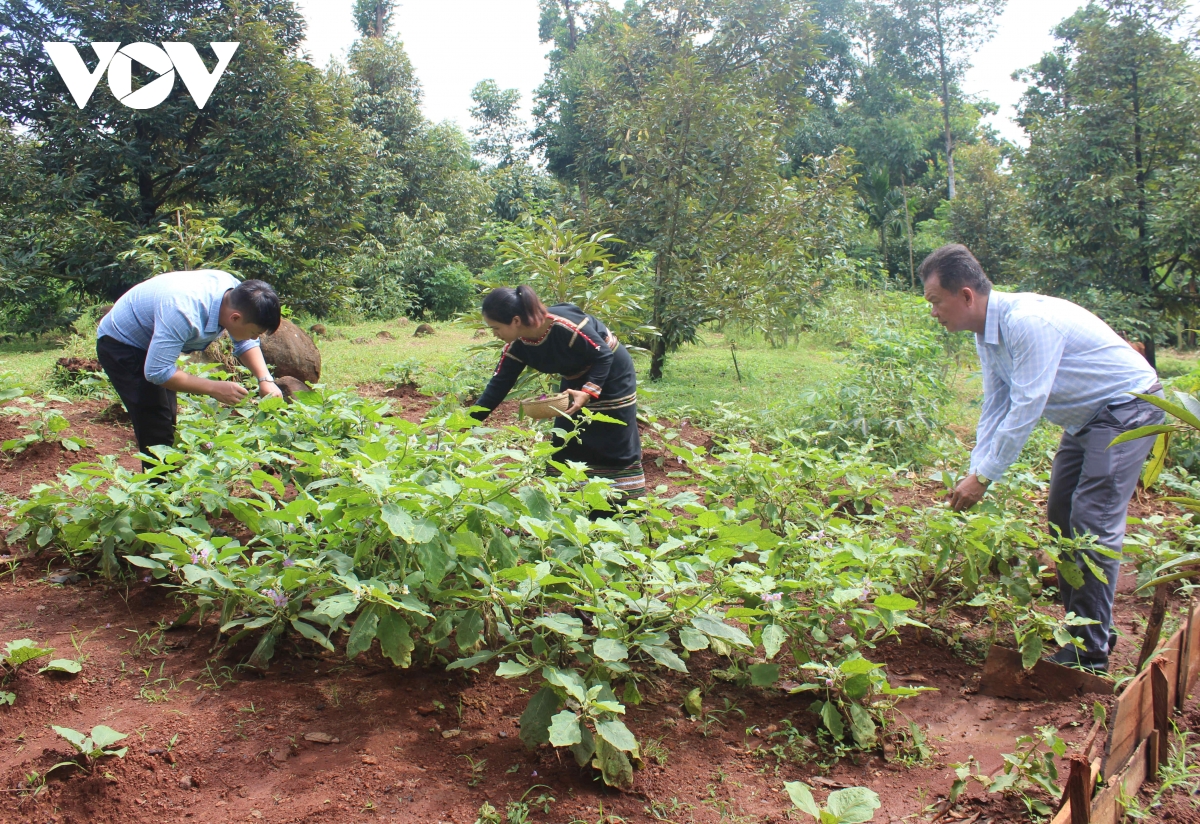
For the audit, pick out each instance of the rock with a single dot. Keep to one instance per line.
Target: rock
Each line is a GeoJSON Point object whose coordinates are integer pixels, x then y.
{"type": "Point", "coordinates": [451, 733]}
{"type": "Point", "coordinates": [361, 341]}
{"type": "Point", "coordinates": [321, 738]}
{"type": "Point", "coordinates": [289, 386]}
{"type": "Point", "coordinates": [280, 755]}
{"type": "Point", "coordinates": [318, 329]}
{"type": "Point", "coordinates": [64, 576]}
{"type": "Point", "coordinates": [292, 353]}
{"type": "Point", "coordinates": [186, 783]}
{"type": "Point", "coordinates": [370, 759]}
{"type": "Point", "coordinates": [426, 709]}
{"type": "Point", "coordinates": [423, 330]}
{"type": "Point", "coordinates": [384, 334]}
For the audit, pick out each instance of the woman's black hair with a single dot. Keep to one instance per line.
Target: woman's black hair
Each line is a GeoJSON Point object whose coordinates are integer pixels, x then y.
{"type": "Point", "coordinates": [504, 303]}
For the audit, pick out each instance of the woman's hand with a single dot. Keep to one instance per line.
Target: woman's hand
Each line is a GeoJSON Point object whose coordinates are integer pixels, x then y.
{"type": "Point", "coordinates": [579, 399]}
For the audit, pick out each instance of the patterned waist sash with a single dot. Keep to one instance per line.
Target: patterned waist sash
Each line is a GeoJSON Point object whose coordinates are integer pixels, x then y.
{"type": "Point", "coordinates": [615, 403]}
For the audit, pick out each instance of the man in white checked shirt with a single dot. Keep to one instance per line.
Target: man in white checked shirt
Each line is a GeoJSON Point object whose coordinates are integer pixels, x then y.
{"type": "Point", "coordinates": [1043, 356]}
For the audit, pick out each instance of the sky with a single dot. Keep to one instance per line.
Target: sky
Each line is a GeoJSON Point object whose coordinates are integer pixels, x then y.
{"type": "Point", "coordinates": [454, 44]}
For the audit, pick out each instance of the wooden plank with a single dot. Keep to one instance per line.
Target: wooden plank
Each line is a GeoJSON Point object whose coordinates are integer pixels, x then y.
{"type": "Point", "coordinates": [1063, 816]}
{"type": "Point", "coordinates": [1005, 677]}
{"type": "Point", "coordinates": [1192, 668]}
{"type": "Point", "coordinates": [1080, 784]}
{"type": "Point", "coordinates": [1106, 808]}
{"type": "Point", "coordinates": [1134, 716]}
{"type": "Point", "coordinates": [1162, 705]}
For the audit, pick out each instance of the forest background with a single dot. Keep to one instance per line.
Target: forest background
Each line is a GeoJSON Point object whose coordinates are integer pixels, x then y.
{"type": "Point", "coordinates": [689, 163]}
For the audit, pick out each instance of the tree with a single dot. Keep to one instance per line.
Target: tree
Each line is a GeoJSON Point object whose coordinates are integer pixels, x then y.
{"type": "Point", "coordinates": [373, 18]}
{"type": "Point", "coordinates": [1111, 118]}
{"type": "Point", "coordinates": [676, 111]}
{"type": "Point", "coordinates": [271, 144]}
{"type": "Point", "coordinates": [938, 38]}
{"type": "Point", "coordinates": [499, 131]}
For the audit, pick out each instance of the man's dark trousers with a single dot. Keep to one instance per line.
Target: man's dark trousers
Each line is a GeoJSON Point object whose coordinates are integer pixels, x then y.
{"type": "Point", "coordinates": [1090, 488]}
{"type": "Point", "coordinates": [151, 407]}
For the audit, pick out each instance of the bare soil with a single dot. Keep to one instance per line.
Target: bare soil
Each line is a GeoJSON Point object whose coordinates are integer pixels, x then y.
{"type": "Point", "coordinates": [209, 742]}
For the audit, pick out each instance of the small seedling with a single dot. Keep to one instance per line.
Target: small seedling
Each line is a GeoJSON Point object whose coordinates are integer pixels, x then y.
{"type": "Point", "coordinates": [853, 805]}
{"type": "Point", "coordinates": [93, 746]}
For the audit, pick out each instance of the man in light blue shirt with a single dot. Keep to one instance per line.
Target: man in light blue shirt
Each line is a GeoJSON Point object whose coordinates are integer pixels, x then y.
{"type": "Point", "coordinates": [142, 336]}
{"type": "Point", "coordinates": [1046, 357]}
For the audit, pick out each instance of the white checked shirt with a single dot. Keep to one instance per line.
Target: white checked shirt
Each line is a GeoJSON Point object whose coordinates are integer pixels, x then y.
{"type": "Point", "coordinates": [1046, 356]}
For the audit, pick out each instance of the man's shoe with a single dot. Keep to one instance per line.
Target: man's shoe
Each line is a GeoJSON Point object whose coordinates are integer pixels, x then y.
{"type": "Point", "coordinates": [1076, 659]}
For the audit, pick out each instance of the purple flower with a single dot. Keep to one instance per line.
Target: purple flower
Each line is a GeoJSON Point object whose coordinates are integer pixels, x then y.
{"type": "Point", "coordinates": [278, 597]}
{"type": "Point", "coordinates": [146, 579]}
{"type": "Point", "coordinates": [829, 683]}
{"type": "Point", "coordinates": [772, 596]}
{"type": "Point", "coordinates": [288, 562]}
{"type": "Point", "coordinates": [534, 773]}
{"type": "Point", "coordinates": [201, 556]}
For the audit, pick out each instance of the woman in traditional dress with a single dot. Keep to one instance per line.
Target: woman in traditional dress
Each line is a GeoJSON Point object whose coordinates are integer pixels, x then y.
{"type": "Point", "coordinates": [597, 372]}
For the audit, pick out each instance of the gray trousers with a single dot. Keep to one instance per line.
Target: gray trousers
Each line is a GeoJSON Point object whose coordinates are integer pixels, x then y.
{"type": "Point", "coordinates": [1090, 488]}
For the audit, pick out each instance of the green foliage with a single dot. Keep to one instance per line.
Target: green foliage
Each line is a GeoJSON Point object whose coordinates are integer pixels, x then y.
{"type": "Point", "coordinates": [853, 805]}
{"type": "Point", "coordinates": [42, 422]}
{"type": "Point", "coordinates": [94, 745]}
{"type": "Point", "coordinates": [567, 266]}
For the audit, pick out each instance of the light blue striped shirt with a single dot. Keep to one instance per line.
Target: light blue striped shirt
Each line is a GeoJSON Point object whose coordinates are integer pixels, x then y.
{"type": "Point", "coordinates": [1046, 356]}
{"type": "Point", "coordinates": [169, 314]}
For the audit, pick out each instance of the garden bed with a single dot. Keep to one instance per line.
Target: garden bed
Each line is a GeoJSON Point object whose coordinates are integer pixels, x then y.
{"type": "Point", "coordinates": [211, 743]}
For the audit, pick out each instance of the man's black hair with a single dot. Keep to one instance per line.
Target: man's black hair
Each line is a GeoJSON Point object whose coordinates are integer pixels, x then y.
{"type": "Point", "coordinates": [955, 267]}
{"type": "Point", "coordinates": [257, 302]}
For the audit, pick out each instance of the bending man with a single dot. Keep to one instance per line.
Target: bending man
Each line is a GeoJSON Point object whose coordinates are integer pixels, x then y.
{"type": "Point", "coordinates": [144, 333]}
{"type": "Point", "coordinates": [1043, 356]}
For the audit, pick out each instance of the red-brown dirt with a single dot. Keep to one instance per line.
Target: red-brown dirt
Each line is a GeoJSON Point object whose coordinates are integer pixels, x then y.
{"type": "Point", "coordinates": [208, 742]}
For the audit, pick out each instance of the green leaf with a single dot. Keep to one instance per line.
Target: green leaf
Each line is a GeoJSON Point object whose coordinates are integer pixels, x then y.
{"type": "Point", "coordinates": [693, 702]}
{"type": "Point", "coordinates": [363, 632]}
{"type": "Point", "coordinates": [567, 680]}
{"type": "Point", "coordinates": [616, 733]}
{"type": "Point", "coordinates": [773, 639]}
{"type": "Point", "coordinates": [514, 669]}
{"type": "Point", "coordinates": [564, 729]}
{"type": "Point", "coordinates": [19, 652]}
{"type": "Point", "coordinates": [562, 623]}
{"type": "Point", "coordinates": [104, 737]}
{"type": "Point", "coordinates": [763, 675]}
{"type": "Point", "coordinates": [535, 721]}
{"type": "Point", "coordinates": [862, 726]}
{"type": "Point", "coordinates": [714, 627]}
{"type": "Point", "coordinates": [473, 661]}
{"type": "Point", "coordinates": [398, 522]}
{"type": "Point", "coordinates": [802, 798]}
{"type": "Point", "coordinates": [894, 602]}
{"type": "Point", "coordinates": [395, 637]}
{"type": "Point", "coordinates": [62, 665]}
{"type": "Point", "coordinates": [585, 749]}
{"type": "Point", "coordinates": [9, 698]}
{"type": "Point", "coordinates": [664, 657]}
{"type": "Point", "coordinates": [1143, 432]}
{"type": "Point", "coordinates": [469, 632]}
{"type": "Point", "coordinates": [832, 719]}
{"type": "Point", "coordinates": [614, 765]}
{"type": "Point", "coordinates": [74, 736]}
{"type": "Point", "coordinates": [311, 633]}
{"type": "Point", "coordinates": [1031, 649]}
{"type": "Point", "coordinates": [609, 649]}
{"type": "Point", "coordinates": [1171, 408]}
{"type": "Point", "coordinates": [692, 639]}
{"type": "Point", "coordinates": [853, 805]}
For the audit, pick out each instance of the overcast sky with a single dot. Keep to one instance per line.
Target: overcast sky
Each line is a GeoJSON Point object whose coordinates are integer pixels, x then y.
{"type": "Point", "coordinates": [456, 43]}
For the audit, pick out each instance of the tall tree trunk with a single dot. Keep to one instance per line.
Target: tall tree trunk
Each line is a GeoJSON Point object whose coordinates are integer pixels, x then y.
{"type": "Point", "coordinates": [945, 77]}
{"type": "Point", "coordinates": [1143, 240]}
{"type": "Point", "coordinates": [572, 42]}
{"type": "Point", "coordinates": [912, 270]}
{"type": "Point", "coordinates": [658, 346]}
